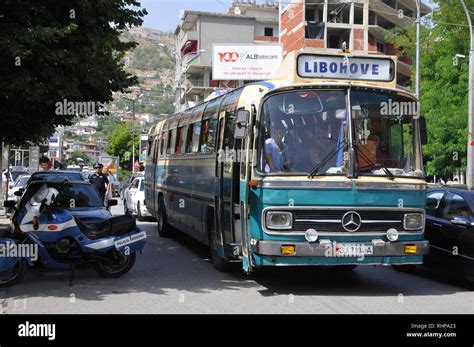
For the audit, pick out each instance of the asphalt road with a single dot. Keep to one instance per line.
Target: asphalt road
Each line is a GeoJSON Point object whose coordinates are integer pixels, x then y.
{"type": "Point", "coordinates": [176, 276]}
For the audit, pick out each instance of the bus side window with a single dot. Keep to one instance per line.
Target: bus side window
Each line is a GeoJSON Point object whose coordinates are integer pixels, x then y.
{"type": "Point", "coordinates": [196, 137]}
{"type": "Point", "coordinates": [208, 135]}
{"type": "Point", "coordinates": [179, 141]}
{"type": "Point", "coordinates": [172, 141]}
{"type": "Point", "coordinates": [164, 143]}
{"type": "Point", "coordinates": [189, 138]}
{"type": "Point", "coordinates": [156, 145]}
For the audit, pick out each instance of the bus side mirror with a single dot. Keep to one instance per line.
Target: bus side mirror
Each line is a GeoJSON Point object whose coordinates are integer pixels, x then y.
{"type": "Point", "coordinates": [241, 124]}
{"type": "Point", "coordinates": [423, 132]}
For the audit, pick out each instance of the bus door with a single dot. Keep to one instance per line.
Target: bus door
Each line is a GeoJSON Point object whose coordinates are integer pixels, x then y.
{"type": "Point", "coordinates": [228, 176]}
{"type": "Point", "coordinates": [244, 141]}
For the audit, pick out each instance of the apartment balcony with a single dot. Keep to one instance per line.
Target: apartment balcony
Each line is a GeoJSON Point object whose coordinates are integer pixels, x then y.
{"type": "Point", "coordinates": [197, 86]}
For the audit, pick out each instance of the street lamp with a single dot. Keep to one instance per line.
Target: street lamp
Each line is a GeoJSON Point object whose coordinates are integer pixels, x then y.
{"type": "Point", "coordinates": [133, 100]}
{"type": "Point", "coordinates": [470, 129]}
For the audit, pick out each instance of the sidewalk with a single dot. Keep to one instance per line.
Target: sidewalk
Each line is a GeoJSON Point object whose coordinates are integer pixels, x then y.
{"type": "Point", "coordinates": [4, 220]}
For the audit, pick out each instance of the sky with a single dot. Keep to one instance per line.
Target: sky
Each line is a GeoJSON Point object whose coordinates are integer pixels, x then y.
{"type": "Point", "coordinates": [164, 14]}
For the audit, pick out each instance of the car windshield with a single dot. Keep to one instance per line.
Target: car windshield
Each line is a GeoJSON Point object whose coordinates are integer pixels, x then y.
{"type": "Point", "coordinates": [71, 195]}
{"type": "Point", "coordinates": [56, 176]}
{"type": "Point", "coordinates": [21, 182]}
{"type": "Point", "coordinates": [142, 185]}
{"type": "Point", "coordinates": [303, 128]}
{"type": "Point", "coordinates": [15, 174]}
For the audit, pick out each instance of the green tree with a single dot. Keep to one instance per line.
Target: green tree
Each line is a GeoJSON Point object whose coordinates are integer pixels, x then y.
{"type": "Point", "coordinates": [56, 50]}
{"type": "Point", "coordinates": [120, 144]}
{"type": "Point", "coordinates": [84, 156]}
{"type": "Point", "coordinates": [443, 86]}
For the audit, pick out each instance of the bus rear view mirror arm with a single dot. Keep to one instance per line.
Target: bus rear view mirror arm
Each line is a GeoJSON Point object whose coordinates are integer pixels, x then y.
{"type": "Point", "coordinates": [241, 124]}
{"type": "Point", "coordinates": [423, 131]}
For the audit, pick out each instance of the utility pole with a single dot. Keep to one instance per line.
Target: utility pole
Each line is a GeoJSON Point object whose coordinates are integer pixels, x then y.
{"type": "Point", "coordinates": [470, 142]}
{"type": "Point", "coordinates": [133, 100]}
{"type": "Point", "coordinates": [417, 86]}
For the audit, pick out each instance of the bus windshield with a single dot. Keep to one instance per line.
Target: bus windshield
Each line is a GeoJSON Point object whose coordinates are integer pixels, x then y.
{"type": "Point", "coordinates": [307, 132]}
{"type": "Point", "coordinates": [303, 128]}
{"type": "Point", "coordinates": [384, 134]}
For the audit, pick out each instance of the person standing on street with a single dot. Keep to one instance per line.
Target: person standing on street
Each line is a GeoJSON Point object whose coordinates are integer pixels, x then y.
{"type": "Point", "coordinates": [109, 194]}
{"type": "Point", "coordinates": [5, 179]}
{"type": "Point", "coordinates": [99, 181]}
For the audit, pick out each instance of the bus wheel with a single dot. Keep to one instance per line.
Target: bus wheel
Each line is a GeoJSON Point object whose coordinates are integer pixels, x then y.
{"type": "Point", "coordinates": [221, 264]}
{"type": "Point", "coordinates": [405, 268]}
{"type": "Point", "coordinates": [164, 229]}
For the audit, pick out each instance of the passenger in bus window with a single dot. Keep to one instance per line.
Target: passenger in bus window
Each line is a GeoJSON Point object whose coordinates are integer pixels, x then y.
{"type": "Point", "coordinates": [204, 136]}
{"type": "Point", "coordinates": [180, 141]}
{"type": "Point", "coordinates": [276, 151]}
{"type": "Point", "coordinates": [308, 153]}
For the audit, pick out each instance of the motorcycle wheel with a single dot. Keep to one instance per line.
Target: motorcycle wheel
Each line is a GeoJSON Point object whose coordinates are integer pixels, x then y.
{"type": "Point", "coordinates": [16, 276]}
{"type": "Point", "coordinates": [121, 267]}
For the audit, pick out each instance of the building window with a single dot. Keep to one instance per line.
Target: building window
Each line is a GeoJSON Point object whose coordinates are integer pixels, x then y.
{"type": "Point", "coordinates": [336, 36]}
{"type": "Point", "coordinates": [339, 13]}
{"type": "Point", "coordinates": [381, 47]}
{"type": "Point", "coordinates": [358, 14]}
{"type": "Point", "coordinates": [269, 32]}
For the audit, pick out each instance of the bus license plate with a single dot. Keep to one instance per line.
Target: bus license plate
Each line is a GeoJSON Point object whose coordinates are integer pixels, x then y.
{"type": "Point", "coordinates": [354, 250]}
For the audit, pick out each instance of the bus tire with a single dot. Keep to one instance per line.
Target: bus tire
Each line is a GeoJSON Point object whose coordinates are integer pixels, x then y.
{"type": "Point", "coordinates": [221, 264]}
{"type": "Point", "coordinates": [164, 229]}
{"type": "Point", "coordinates": [408, 269]}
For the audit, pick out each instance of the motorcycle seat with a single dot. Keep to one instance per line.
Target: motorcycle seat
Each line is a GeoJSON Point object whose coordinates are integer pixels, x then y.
{"type": "Point", "coordinates": [112, 227]}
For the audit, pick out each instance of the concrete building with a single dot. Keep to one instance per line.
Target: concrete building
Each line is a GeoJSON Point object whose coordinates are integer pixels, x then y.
{"type": "Point", "coordinates": [362, 24]}
{"type": "Point", "coordinates": [245, 23]}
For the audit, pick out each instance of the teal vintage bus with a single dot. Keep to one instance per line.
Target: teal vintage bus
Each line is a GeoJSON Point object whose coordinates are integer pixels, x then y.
{"type": "Point", "coordinates": [320, 166]}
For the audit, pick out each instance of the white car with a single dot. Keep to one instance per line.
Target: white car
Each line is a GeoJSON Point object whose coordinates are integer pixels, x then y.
{"type": "Point", "coordinates": [20, 183]}
{"type": "Point", "coordinates": [134, 199]}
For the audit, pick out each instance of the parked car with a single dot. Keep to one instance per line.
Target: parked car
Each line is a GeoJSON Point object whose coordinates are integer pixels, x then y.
{"type": "Point", "coordinates": [15, 173]}
{"type": "Point", "coordinates": [79, 197]}
{"type": "Point", "coordinates": [18, 186]}
{"type": "Point", "coordinates": [115, 183]}
{"type": "Point", "coordinates": [450, 230]}
{"type": "Point", "coordinates": [134, 199]}
{"type": "Point", "coordinates": [126, 184]}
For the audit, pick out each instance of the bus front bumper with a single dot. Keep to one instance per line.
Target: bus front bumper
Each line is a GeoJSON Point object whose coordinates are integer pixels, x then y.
{"type": "Point", "coordinates": [328, 249]}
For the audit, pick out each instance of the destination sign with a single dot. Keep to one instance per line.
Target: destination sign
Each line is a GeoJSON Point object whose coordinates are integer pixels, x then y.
{"type": "Point", "coordinates": [350, 68]}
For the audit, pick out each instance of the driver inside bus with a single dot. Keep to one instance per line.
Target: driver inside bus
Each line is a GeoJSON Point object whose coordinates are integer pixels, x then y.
{"type": "Point", "coordinates": [371, 154]}
{"type": "Point", "coordinates": [276, 151]}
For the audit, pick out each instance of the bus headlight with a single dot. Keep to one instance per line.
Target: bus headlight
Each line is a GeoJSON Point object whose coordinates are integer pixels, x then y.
{"type": "Point", "coordinates": [279, 220]}
{"type": "Point", "coordinates": [413, 221]}
{"type": "Point", "coordinates": [392, 234]}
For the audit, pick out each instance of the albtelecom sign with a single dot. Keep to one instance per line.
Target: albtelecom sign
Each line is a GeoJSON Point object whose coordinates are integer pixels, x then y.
{"type": "Point", "coordinates": [245, 62]}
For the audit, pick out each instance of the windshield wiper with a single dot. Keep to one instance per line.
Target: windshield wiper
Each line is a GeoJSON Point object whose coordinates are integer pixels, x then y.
{"type": "Point", "coordinates": [377, 165]}
{"type": "Point", "coordinates": [315, 171]}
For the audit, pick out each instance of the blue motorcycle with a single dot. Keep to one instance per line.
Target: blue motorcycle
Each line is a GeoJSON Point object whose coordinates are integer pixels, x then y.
{"type": "Point", "coordinates": [51, 237]}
